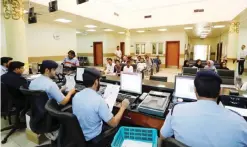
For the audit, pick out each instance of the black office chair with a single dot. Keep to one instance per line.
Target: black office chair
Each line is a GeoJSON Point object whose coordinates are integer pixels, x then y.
{"type": "Point", "coordinates": [40, 121]}
{"type": "Point", "coordinates": [11, 106]}
{"type": "Point", "coordinates": [226, 73]}
{"type": "Point", "coordinates": [85, 61]}
{"type": "Point", "coordinates": [171, 142]}
{"type": "Point", "coordinates": [70, 134]}
{"type": "Point", "coordinates": [157, 78]}
{"type": "Point", "coordinates": [189, 71]}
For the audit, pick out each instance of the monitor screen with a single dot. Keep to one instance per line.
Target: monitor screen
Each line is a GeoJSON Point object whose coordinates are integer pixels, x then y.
{"type": "Point", "coordinates": [131, 82]}
{"type": "Point", "coordinates": [184, 87]}
{"type": "Point", "coordinates": [79, 73]}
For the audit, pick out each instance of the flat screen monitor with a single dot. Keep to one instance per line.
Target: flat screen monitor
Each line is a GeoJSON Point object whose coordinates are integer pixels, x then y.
{"type": "Point", "coordinates": [79, 74]}
{"type": "Point", "coordinates": [131, 82]}
{"type": "Point", "coordinates": [184, 87]}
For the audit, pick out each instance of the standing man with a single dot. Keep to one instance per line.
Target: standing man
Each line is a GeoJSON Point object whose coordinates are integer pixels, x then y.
{"type": "Point", "coordinates": [157, 61]}
{"type": "Point", "coordinates": [71, 60]}
{"type": "Point", "coordinates": [5, 61]}
{"type": "Point", "coordinates": [118, 53]}
{"type": "Point", "coordinates": [241, 60]}
{"type": "Point", "coordinates": [204, 123]}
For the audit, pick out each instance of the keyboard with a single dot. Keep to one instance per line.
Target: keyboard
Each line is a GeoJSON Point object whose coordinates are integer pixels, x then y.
{"type": "Point", "coordinates": [121, 97]}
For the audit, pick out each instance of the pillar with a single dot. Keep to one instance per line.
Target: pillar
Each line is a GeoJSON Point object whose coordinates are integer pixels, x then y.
{"type": "Point", "coordinates": [232, 47]}
{"type": "Point", "coordinates": [127, 42]}
{"type": "Point", "coordinates": [15, 33]}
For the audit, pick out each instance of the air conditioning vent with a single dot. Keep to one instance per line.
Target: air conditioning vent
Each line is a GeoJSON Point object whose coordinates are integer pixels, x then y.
{"type": "Point", "coordinates": [116, 14]}
{"type": "Point", "coordinates": [148, 16]}
{"type": "Point", "coordinates": [198, 10]}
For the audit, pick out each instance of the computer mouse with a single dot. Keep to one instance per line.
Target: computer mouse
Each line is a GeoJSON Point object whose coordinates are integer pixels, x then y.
{"type": "Point", "coordinates": [133, 106]}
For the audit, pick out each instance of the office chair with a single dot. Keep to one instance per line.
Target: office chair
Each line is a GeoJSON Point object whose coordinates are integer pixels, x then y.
{"type": "Point", "coordinates": [70, 133]}
{"type": "Point", "coordinates": [85, 61]}
{"type": "Point", "coordinates": [189, 71]}
{"type": "Point", "coordinates": [226, 73]}
{"type": "Point", "coordinates": [11, 106]}
{"type": "Point", "coordinates": [171, 142]}
{"type": "Point", "coordinates": [156, 78]}
{"type": "Point", "coordinates": [39, 65]}
{"type": "Point", "coordinates": [134, 67]}
{"type": "Point", "coordinates": [40, 121]}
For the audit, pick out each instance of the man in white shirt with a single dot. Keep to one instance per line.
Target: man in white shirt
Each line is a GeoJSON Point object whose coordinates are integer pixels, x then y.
{"type": "Point", "coordinates": [118, 53]}
{"type": "Point", "coordinates": [141, 65]}
{"type": "Point", "coordinates": [109, 66]}
{"type": "Point", "coordinates": [241, 60]}
{"type": "Point", "coordinates": [5, 61]}
{"type": "Point", "coordinates": [128, 68]}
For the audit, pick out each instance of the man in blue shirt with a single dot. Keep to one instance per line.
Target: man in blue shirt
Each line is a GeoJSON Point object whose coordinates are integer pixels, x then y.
{"type": "Point", "coordinates": [90, 108]}
{"type": "Point", "coordinates": [204, 123]}
{"type": "Point", "coordinates": [45, 83]}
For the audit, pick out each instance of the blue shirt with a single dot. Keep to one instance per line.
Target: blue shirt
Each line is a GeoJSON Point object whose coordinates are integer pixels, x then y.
{"type": "Point", "coordinates": [46, 84]}
{"type": "Point", "coordinates": [90, 109]}
{"type": "Point", "coordinates": [205, 124]}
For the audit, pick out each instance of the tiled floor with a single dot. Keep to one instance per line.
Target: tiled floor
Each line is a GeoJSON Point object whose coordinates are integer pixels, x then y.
{"type": "Point", "coordinates": [19, 139]}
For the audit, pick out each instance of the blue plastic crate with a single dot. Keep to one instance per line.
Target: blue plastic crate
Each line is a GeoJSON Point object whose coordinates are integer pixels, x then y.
{"type": "Point", "coordinates": [137, 134]}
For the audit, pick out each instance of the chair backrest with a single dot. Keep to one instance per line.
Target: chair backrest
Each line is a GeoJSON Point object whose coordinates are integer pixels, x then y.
{"type": "Point", "coordinates": [171, 142]}
{"type": "Point", "coordinates": [228, 81]}
{"type": "Point", "coordinates": [6, 98]}
{"type": "Point", "coordinates": [229, 74]}
{"type": "Point", "coordinates": [157, 78]}
{"type": "Point", "coordinates": [189, 71]}
{"type": "Point", "coordinates": [70, 131]}
{"type": "Point", "coordinates": [40, 120]}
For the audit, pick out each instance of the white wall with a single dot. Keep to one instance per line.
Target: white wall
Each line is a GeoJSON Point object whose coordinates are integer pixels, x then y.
{"type": "Point", "coordinates": [3, 38]}
{"type": "Point", "coordinates": [40, 40]}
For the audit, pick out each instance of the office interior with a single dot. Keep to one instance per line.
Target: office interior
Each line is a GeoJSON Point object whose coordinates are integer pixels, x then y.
{"type": "Point", "coordinates": [173, 30]}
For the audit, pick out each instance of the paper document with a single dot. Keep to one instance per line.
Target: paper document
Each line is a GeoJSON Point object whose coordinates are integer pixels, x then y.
{"type": "Point", "coordinates": [110, 95]}
{"type": "Point", "coordinates": [228, 86]}
{"type": "Point", "coordinates": [70, 82]}
{"type": "Point", "coordinates": [241, 111]}
{"type": "Point", "coordinates": [133, 143]}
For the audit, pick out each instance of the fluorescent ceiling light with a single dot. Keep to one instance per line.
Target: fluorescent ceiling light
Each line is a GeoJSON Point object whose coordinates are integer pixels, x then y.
{"type": "Point", "coordinates": [121, 33]}
{"type": "Point", "coordinates": [91, 30]}
{"type": "Point", "coordinates": [63, 20]}
{"type": "Point", "coordinates": [90, 26]}
{"type": "Point", "coordinates": [108, 30]}
{"type": "Point", "coordinates": [78, 32]}
{"type": "Point", "coordinates": [188, 28]}
{"type": "Point", "coordinates": [219, 26]}
{"type": "Point", "coordinates": [140, 31]}
{"type": "Point", "coordinates": [162, 30]}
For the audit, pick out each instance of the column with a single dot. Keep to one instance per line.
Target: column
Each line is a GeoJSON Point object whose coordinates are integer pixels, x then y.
{"type": "Point", "coordinates": [232, 47]}
{"type": "Point", "coordinates": [127, 42]}
{"type": "Point", "coordinates": [15, 30]}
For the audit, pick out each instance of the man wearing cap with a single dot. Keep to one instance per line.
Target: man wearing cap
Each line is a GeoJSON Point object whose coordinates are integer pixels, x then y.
{"type": "Point", "coordinates": [91, 109]}
{"type": "Point", "coordinates": [45, 83]}
{"type": "Point", "coordinates": [204, 123]}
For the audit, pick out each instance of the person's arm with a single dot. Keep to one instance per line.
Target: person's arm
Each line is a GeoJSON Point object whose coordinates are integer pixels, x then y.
{"type": "Point", "coordinates": [116, 119]}
{"type": "Point", "coordinates": [67, 98]}
{"type": "Point", "coordinates": [166, 130]}
{"type": "Point", "coordinates": [77, 63]}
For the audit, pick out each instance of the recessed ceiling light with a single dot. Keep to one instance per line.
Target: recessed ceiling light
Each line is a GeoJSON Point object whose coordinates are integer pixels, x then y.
{"type": "Point", "coordinates": [90, 26]}
{"type": "Point", "coordinates": [162, 30]}
{"type": "Point", "coordinates": [63, 20]}
{"type": "Point", "coordinates": [78, 32]}
{"type": "Point", "coordinates": [140, 31]}
{"type": "Point", "coordinates": [121, 32]}
{"type": "Point", "coordinates": [91, 30]}
{"type": "Point", "coordinates": [188, 28]}
{"type": "Point", "coordinates": [219, 26]}
{"type": "Point", "coordinates": [108, 30]}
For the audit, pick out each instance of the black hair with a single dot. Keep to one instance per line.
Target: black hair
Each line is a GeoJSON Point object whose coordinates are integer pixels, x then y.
{"type": "Point", "coordinates": [48, 66]}
{"type": "Point", "coordinates": [208, 87]}
{"type": "Point", "coordinates": [117, 61]}
{"type": "Point", "coordinates": [198, 60]}
{"type": "Point", "coordinates": [128, 61]}
{"type": "Point", "coordinates": [109, 59]}
{"type": "Point", "coordinates": [15, 65]}
{"type": "Point", "coordinates": [117, 46]}
{"type": "Point", "coordinates": [185, 61]}
{"type": "Point", "coordinates": [72, 52]}
{"type": "Point", "coordinates": [5, 60]}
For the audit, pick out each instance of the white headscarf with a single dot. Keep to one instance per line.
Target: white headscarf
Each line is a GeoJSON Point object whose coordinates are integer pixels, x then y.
{"type": "Point", "coordinates": [211, 65]}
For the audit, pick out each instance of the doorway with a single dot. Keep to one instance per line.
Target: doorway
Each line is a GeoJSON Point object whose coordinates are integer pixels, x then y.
{"type": "Point", "coordinates": [98, 53]}
{"type": "Point", "coordinates": [122, 48]}
{"type": "Point", "coordinates": [172, 54]}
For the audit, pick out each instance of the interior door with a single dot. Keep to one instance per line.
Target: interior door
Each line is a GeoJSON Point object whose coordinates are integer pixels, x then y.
{"type": "Point", "coordinates": [98, 53]}
{"type": "Point", "coordinates": [172, 54]}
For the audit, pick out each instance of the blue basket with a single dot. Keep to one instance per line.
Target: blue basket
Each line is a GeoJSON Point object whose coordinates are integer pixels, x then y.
{"type": "Point", "coordinates": [137, 134]}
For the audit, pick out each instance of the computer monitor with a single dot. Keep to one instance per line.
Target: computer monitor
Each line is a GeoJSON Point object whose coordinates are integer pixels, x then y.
{"type": "Point", "coordinates": [131, 82]}
{"type": "Point", "coordinates": [79, 74]}
{"type": "Point", "coordinates": [184, 87]}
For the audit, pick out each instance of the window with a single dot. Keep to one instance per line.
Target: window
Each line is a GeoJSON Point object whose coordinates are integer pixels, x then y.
{"type": "Point", "coordinates": [140, 48]}
{"type": "Point", "coordinates": [157, 48]}
{"type": "Point", "coordinates": [200, 52]}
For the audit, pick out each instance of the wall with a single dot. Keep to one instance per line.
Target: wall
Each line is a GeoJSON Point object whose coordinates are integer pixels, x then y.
{"type": "Point", "coordinates": [242, 39]}
{"type": "Point", "coordinates": [3, 38]}
{"type": "Point", "coordinates": [42, 45]}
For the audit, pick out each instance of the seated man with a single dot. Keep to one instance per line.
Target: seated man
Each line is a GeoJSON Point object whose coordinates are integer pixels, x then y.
{"type": "Point", "coordinates": [109, 67]}
{"type": "Point", "coordinates": [204, 123]}
{"type": "Point", "coordinates": [71, 60]}
{"type": "Point", "coordinates": [117, 68]}
{"type": "Point", "coordinates": [141, 65]}
{"type": "Point", "coordinates": [45, 83]}
{"type": "Point", "coordinates": [4, 64]}
{"type": "Point", "coordinates": [128, 68]}
{"type": "Point", "coordinates": [91, 109]}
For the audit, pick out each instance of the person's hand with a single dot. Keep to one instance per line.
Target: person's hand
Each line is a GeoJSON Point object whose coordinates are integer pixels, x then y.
{"type": "Point", "coordinates": [63, 88]}
{"type": "Point", "coordinates": [125, 103]}
{"type": "Point", "coordinates": [72, 91]}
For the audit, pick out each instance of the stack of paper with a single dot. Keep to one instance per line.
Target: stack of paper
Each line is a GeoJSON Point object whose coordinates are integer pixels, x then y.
{"type": "Point", "coordinates": [110, 95]}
